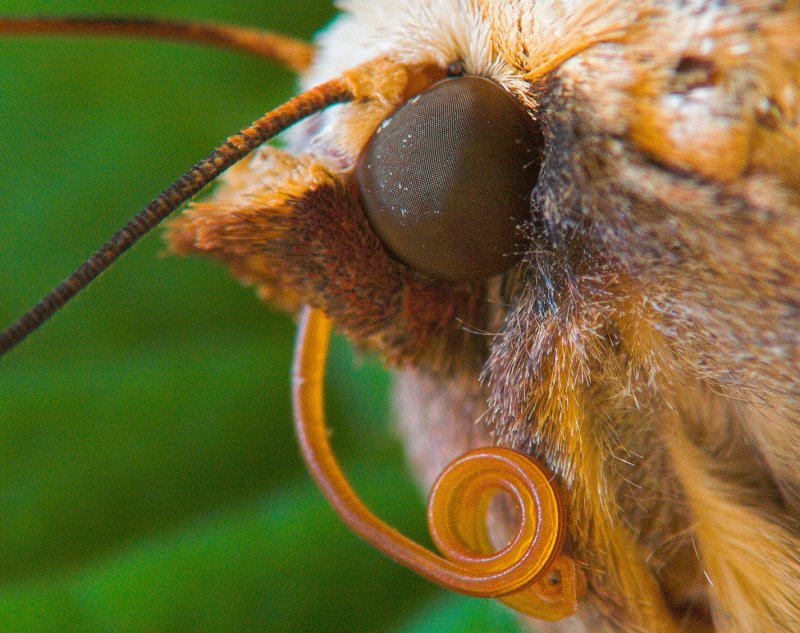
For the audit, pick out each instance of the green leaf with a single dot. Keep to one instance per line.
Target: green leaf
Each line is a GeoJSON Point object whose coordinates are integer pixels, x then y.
{"type": "Point", "coordinates": [460, 614]}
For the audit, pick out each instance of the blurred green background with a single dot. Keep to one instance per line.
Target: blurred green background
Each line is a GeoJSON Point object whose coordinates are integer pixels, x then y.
{"type": "Point", "coordinates": [149, 479]}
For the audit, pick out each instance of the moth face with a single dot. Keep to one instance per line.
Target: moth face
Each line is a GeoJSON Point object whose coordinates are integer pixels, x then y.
{"type": "Point", "coordinates": [642, 340]}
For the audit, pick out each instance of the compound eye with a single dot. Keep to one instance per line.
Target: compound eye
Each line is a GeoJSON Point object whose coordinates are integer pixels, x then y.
{"type": "Point", "coordinates": [446, 180]}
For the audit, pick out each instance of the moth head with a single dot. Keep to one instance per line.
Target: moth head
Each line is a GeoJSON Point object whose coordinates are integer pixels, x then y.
{"type": "Point", "coordinates": [406, 218]}
{"type": "Point", "coordinates": [400, 247]}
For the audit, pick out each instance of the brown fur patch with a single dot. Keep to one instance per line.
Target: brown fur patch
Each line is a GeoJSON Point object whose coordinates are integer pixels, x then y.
{"type": "Point", "coordinates": [310, 242]}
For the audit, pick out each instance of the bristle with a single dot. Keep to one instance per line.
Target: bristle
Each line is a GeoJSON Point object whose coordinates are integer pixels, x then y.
{"type": "Point", "coordinates": [751, 562]}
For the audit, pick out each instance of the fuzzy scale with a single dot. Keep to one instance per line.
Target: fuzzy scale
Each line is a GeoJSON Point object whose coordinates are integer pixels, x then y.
{"type": "Point", "coordinates": [647, 348]}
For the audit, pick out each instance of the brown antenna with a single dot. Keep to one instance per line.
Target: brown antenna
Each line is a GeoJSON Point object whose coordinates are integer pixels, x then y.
{"type": "Point", "coordinates": [294, 53]}
{"type": "Point", "coordinates": [234, 149]}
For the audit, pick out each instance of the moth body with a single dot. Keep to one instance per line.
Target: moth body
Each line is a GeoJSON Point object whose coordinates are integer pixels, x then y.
{"type": "Point", "coordinates": [646, 348]}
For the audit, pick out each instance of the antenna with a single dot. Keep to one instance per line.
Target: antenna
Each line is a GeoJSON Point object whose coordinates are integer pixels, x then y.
{"type": "Point", "coordinates": [291, 52]}
{"type": "Point", "coordinates": [234, 149]}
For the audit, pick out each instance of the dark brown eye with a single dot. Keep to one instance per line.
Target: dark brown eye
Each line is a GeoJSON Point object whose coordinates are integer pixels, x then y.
{"type": "Point", "coordinates": [446, 180]}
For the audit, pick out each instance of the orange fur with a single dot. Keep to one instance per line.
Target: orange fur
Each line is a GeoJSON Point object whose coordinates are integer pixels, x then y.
{"type": "Point", "coordinates": [647, 348]}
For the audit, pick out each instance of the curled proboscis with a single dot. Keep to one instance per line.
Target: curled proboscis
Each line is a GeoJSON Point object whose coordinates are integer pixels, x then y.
{"type": "Point", "coordinates": [529, 573]}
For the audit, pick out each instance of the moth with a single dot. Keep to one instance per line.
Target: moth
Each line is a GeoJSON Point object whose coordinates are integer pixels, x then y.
{"type": "Point", "coordinates": [642, 340]}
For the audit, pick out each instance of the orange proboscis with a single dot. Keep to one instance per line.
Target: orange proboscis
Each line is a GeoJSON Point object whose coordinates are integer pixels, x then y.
{"type": "Point", "coordinates": [530, 573]}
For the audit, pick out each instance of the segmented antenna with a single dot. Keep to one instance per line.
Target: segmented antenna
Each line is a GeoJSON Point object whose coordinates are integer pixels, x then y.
{"type": "Point", "coordinates": [234, 149]}
{"type": "Point", "coordinates": [291, 52]}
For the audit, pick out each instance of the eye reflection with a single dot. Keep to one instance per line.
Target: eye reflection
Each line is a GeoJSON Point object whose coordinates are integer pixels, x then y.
{"type": "Point", "coordinates": [446, 180]}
